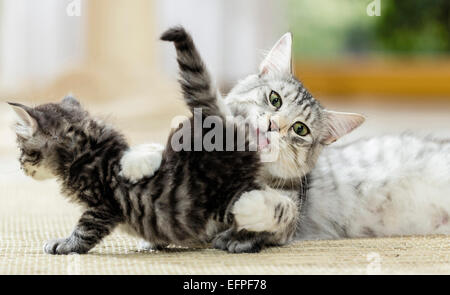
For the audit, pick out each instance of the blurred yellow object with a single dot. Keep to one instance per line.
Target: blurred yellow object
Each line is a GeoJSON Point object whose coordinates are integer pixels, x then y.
{"type": "Point", "coordinates": [400, 77]}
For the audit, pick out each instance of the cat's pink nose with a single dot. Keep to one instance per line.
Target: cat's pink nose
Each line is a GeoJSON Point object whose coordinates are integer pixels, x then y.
{"type": "Point", "coordinates": [273, 126]}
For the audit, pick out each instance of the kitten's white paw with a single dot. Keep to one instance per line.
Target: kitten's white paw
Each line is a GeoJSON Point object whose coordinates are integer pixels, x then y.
{"type": "Point", "coordinates": [263, 210]}
{"type": "Point", "coordinates": [148, 246]}
{"type": "Point", "coordinates": [141, 161]}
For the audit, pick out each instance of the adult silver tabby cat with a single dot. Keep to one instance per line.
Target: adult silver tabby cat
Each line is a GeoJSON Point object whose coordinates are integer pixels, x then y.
{"type": "Point", "coordinates": [382, 186]}
{"type": "Point", "coordinates": [290, 121]}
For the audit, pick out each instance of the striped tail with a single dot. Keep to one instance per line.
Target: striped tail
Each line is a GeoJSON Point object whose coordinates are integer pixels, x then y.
{"type": "Point", "coordinates": [195, 80]}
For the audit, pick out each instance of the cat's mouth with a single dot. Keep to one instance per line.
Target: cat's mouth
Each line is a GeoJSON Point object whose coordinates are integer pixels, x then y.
{"type": "Point", "coordinates": [263, 140]}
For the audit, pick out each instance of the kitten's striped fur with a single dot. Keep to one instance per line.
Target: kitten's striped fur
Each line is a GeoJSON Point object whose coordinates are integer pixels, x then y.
{"type": "Point", "coordinates": [195, 80]}
{"type": "Point", "coordinates": [199, 94]}
{"type": "Point", "coordinates": [187, 202]}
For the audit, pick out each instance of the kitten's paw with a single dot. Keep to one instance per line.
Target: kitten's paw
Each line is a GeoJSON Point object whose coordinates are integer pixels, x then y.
{"type": "Point", "coordinates": [244, 247]}
{"type": "Point", "coordinates": [141, 161]}
{"type": "Point", "coordinates": [241, 242]}
{"type": "Point", "coordinates": [222, 239]}
{"type": "Point", "coordinates": [148, 246]}
{"type": "Point", "coordinates": [63, 247]}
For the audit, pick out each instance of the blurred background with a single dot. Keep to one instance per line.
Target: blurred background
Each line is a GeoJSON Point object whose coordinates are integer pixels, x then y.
{"type": "Point", "coordinates": [389, 60]}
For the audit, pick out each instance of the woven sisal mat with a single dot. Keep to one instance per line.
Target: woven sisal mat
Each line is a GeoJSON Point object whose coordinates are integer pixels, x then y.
{"type": "Point", "coordinates": [33, 212]}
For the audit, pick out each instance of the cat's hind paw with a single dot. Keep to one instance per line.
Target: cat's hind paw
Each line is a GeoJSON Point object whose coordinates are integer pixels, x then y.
{"type": "Point", "coordinates": [145, 246]}
{"type": "Point", "coordinates": [141, 161]}
{"type": "Point", "coordinates": [239, 242]}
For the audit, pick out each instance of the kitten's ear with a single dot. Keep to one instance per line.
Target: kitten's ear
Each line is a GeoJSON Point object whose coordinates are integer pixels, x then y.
{"type": "Point", "coordinates": [279, 59]}
{"type": "Point", "coordinates": [339, 124]}
{"type": "Point", "coordinates": [26, 125]}
{"type": "Point", "coordinates": [71, 101]}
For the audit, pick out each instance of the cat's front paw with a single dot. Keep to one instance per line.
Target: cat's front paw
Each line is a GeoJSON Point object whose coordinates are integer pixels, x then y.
{"type": "Point", "coordinates": [63, 247]}
{"type": "Point", "coordinates": [254, 211]}
{"type": "Point", "coordinates": [264, 211]}
{"type": "Point", "coordinates": [238, 242]}
{"type": "Point", "coordinates": [141, 161]}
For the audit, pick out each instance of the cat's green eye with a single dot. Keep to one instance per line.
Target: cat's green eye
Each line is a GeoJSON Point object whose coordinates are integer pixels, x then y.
{"type": "Point", "coordinates": [275, 99]}
{"type": "Point", "coordinates": [300, 128]}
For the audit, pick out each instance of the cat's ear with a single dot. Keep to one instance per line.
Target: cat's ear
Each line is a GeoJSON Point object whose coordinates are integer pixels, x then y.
{"type": "Point", "coordinates": [70, 101]}
{"type": "Point", "coordinates": [26, 125]}
{"type": "Point", "coordinates": [339, 124]}
{"type": "Point", "coordinates": [279, 59]}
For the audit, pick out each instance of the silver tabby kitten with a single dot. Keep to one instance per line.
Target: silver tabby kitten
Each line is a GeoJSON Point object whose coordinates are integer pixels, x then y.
{"type": "Point", "coordinates": [293, 129]}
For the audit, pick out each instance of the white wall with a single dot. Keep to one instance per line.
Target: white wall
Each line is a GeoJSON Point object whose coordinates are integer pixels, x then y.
{"type": "Point", "coordinates": [230, 34]}
{"type": "Point", "coordinates": [38, 41]}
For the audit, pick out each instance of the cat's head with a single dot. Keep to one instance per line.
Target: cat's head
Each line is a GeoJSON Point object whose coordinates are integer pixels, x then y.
{"type": "Point", "coordinates": [287, 114]}
{"type": "Point", "coordinates": [45, 135]}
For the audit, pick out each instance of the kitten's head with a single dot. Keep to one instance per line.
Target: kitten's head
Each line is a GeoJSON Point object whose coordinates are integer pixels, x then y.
{"type": "Point", "coordinates": [45, 135]}
{"type": "Point", "coordinates": [290, 120]}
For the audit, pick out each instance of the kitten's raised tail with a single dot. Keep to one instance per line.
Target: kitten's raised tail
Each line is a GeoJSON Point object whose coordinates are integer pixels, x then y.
{"type": "Point", "coordinates": [198, 89]}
